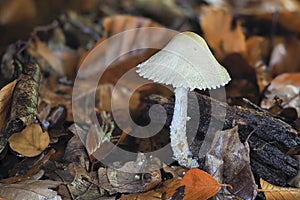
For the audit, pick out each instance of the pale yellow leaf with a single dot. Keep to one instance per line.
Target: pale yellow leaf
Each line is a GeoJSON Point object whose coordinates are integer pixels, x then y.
{"type": "Point", "coordinates": [273, 192]}
{"type": "Point", "coordinates": [30, 142]}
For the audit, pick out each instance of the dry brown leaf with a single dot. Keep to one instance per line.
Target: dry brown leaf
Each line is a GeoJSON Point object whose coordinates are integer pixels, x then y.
{"type": "Point", "coordinates": [62, 59]}
{"type": "Point", "coordinates": [57, 94]}
{"type": "Point", "coordinates": [228, 160]}
{"type": "Point", "coordinates": [30, 189]}
{"type": "Point", "coordinates": [84, 183]}
{"type": "Point", "coordinates": [29, 142]}
{"type": "Point", "coordinates": [150, 195]}
{"type": "Point", "coordinates": [286, 87]}
{"type": "Point", "coordinates": [136, 40]}
{"type": "Point", "coordinates": [257, 51]}
{"type": "Point", "coordinates": [285, 57]}
{"type": "Point", "coordinates": [131, 177]}
{"type": "Point", "coordinates": [98, 140]}
{"type": "Point", "coordinates": [256, 7]}
{"type": "Point", "coordinates": [14, 11]}
{"type": "Point", "coordinates": [118, 23]}
{"type": "Point", "coordinates": [5, 96]}
{"type": "Point", "coordinates": [292, 17]}
{"type": "Point", "coordinates": [273, 192]}
{"type": "Point", "coordinates": [219, 33]}
{"type": "Point", "coordinates": [133, 43]}
{"type": "Point", "coordinates": [75, 149]}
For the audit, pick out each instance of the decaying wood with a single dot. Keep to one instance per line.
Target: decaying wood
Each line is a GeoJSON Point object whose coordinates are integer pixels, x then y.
{"type": "Point", "coordinates": [269, 143]}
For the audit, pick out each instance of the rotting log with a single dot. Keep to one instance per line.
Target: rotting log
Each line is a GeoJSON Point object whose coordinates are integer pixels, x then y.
{"type": "Point", "coordinates": [270, 142]}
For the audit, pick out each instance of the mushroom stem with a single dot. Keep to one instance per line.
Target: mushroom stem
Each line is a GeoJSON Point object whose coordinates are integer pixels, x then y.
{"type": "Point", "coordinates": [178, 136]}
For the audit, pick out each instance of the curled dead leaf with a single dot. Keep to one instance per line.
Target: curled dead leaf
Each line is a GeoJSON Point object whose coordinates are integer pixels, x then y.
{"type": "Point", "coordinates": [228, 160]}
{"type": "Point", "coordinates": [286, 88]}
{"type": "Point", "coordinates": [30, 142]}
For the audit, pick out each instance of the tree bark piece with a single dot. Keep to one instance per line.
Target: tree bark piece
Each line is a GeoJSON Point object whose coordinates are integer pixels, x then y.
{"type": "Point", "coordinates": [25, 99]}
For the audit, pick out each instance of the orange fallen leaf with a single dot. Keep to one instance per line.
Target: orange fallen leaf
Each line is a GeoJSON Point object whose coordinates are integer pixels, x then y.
{"type": "Point", "coordinates": [199, 185]}
{"type": "Point", "coordinates": [273, 192]}
{"type": "Point", "coordinates": [219, 33]}
{"type": "Point", "coordinates": [196, 184]}
{"type": "Point", "coordinates": [30, 142]}
{"type": "Point", "coordinates": [5, 96]}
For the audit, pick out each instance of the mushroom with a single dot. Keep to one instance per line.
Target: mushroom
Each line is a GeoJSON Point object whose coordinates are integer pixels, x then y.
{"type": "Point", "coordinates": [185, 63]}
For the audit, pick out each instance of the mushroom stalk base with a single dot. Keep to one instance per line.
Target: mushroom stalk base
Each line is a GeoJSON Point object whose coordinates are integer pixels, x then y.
{"type": "Point", "coordinates": [178, 136]}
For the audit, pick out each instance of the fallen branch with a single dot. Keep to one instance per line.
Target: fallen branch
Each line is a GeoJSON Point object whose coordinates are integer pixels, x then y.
{"type": "Point", "coordinates": [270, 142]}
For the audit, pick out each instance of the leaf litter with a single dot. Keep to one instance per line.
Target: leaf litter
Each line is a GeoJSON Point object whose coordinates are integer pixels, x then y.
{"type": "Point", "coordinates": [57, 50]}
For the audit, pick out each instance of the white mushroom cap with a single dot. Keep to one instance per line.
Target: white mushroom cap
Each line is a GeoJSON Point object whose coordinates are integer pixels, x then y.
{"type": "Point", "coordinates": [186, 61]}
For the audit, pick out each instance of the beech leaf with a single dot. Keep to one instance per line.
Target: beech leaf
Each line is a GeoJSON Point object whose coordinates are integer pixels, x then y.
{"type": "Point", "coordinates": [232, 40]}
{"type": "Point", "coordinates": [273, 192]}
{"type": "Point", "coordinates": [30, 142]}
{"type": "Point", "coordinates": [199, 185]}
